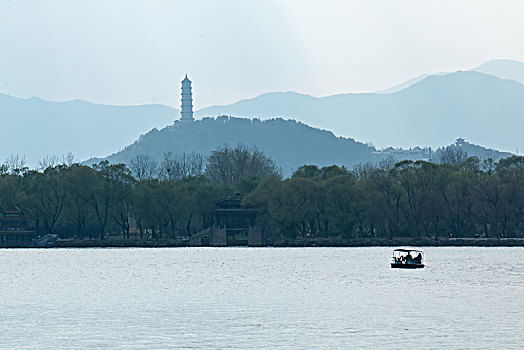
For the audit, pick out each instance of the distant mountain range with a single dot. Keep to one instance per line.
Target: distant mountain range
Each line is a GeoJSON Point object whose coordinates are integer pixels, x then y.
{"type": "Point", "coordinates": [434, 111]}
{"type": "Point", "coordinates": [430, 111]}
{"type": "Point", "coordinates": [504, 69]}
{"type": "Point", "coordinates": [36, 128]}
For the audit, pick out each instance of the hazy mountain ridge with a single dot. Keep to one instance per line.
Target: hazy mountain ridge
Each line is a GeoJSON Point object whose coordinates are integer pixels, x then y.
{"type": "Point", "coordinates": [504, 69]}
{"type": "Point", "coordinates": [500, 68]}
{"type": "Point", "coordinates": [83, 128]}
{"type": "Point", "coordinates": [432, 112]}
{"type": "Point", "coordinates": [408, 83]}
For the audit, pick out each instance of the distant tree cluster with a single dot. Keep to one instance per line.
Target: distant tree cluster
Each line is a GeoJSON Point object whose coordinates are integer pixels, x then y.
{"type": "Point", "coordinates": [460, 197]}
{"type": "Point", "coordinates": [159, 200]}
{"type": "Point", "coordinates": [407, 199]}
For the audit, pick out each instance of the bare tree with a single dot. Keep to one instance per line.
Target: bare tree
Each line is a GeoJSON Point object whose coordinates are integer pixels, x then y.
{"type": "Point", "coordinates": [68, 159]}
{"type": "Point", "coordinates": [452, 155]}
{"type": "Point", "coordinates": [363, 170]}
{"type": "Point", "coordinates": [182, 165]}
{"type": "Point", "coordinates": [15, 164]}
{"type": "Point", "coordinates": [387, 163]}
{"type": "Point", "coordinates": [143, 167]}
{"type": "Point", "coordinates": [48, 162]}
{"type": "Point", "coordinates": [229, 165]}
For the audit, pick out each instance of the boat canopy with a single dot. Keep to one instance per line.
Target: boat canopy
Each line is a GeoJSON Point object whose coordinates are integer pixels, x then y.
{"type": "Point", "coordinates": [407, 258]}
{"type": "Point", "coordinates": [408, 250]}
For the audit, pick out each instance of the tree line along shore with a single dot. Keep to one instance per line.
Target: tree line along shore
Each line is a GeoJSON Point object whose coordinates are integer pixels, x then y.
{"type": "Point", "coordinates": [459, 201]}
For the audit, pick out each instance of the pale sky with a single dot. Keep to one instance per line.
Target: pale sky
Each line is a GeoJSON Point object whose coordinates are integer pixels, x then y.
{"type": "Point", "coordinates": [127, 52]}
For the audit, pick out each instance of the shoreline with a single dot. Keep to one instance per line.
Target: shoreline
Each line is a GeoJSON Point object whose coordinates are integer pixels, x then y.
{"type": "Point", "coordinates": [164, 243]}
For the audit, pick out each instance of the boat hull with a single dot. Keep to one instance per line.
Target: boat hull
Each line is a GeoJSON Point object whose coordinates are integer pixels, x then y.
{"type": "Point", "coordinates": [406, 266]}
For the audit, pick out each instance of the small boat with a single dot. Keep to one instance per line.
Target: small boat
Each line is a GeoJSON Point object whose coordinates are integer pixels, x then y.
{"type": "Point", "coordinates": [407, 259]}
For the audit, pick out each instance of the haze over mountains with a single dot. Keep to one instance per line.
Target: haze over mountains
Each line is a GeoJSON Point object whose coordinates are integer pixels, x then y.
{"type": "Point", "coordinates": [36, 128]}
{"type": "Point", "coordinates": [504, 69]}
{"type": "Point", "coordinates": [434, 111]}
{"type": "Point", "coordinates": [479, 107]}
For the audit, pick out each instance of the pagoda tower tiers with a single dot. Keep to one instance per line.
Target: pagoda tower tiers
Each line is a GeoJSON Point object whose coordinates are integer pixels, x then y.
{"type": "Point", "coordinates": [187, 101]}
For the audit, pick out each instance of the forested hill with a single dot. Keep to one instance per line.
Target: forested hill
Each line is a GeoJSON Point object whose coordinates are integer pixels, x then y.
{"type": "Point", "coordinates": [291, 144]}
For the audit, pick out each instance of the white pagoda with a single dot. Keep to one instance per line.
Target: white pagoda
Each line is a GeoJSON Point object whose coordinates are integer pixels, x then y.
{"type": "Point", "coordinates": [187, 101]}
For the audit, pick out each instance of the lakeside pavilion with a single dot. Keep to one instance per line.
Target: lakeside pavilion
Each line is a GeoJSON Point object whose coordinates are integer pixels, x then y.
{"type": "Point", "coordinates": [14, 228]}
{"type": "Point", "coordinates": [233, 225]}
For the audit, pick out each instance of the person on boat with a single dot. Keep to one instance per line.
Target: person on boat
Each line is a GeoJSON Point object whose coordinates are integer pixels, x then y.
{"type": "Point", "coordinates": [409, 258]}
{"type": "Point", "coordinates": [418, 258]}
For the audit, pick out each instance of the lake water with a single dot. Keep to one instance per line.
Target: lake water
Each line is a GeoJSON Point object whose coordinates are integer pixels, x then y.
{"type": "Point", "coordinates": [267, 298]}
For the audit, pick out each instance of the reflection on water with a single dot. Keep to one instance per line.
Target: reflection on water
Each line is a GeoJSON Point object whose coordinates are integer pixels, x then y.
{"type": "Point", "coordinates": [242, 298]}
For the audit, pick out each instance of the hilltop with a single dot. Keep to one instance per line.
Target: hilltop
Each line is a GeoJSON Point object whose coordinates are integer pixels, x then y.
{"type": "Point", "coordinates": [504, 69]}
{"type": "Point", "coordinates": [290, 143]}
{"type": "Point", "coordinates": [500, 68]}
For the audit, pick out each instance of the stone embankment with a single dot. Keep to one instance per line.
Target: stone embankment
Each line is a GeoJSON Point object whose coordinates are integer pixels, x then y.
{"type": "Point", "coordinates": [455, 242]}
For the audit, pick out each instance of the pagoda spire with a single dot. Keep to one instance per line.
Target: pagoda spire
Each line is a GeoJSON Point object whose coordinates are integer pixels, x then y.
{"type": "Point", "coordinates": [186, 112]}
